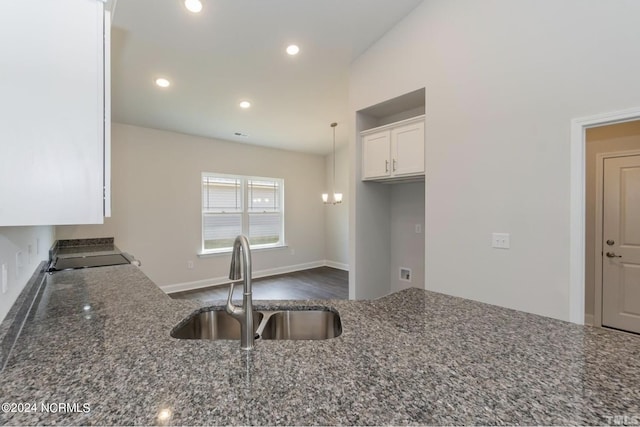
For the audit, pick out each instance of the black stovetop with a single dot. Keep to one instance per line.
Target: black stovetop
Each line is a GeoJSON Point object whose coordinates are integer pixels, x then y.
{"type": "Point", "coordinates": [85, 253]}
{"type": "Point", "coordinates": [73, 263]}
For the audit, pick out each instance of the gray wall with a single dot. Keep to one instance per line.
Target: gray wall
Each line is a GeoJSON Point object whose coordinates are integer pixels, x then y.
{"type": "Point", "coordinates": [337, 216]}
{"type": "Point", "coordinates": [34, 244]}
{"type": "Point", "coordinates": [157, 207]}
{"type": "Point", "coordinates": [503, 81]}
{"type": "Point", "coordinates": [407, 246]}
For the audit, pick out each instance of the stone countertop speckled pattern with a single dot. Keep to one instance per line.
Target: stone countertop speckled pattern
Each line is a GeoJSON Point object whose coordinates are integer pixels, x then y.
{"type": "Point", "coordinates": [100, 337]}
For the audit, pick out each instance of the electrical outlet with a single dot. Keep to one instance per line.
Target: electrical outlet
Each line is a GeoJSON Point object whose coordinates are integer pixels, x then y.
{"type": "Point", "coordinates": [418, 228]}
{"type": "Point", "coordinates": [190, 265]}
{"type": "Point", "coordinates": [500, 240]}
{"type": "Point", "coordinates": [293, 251]}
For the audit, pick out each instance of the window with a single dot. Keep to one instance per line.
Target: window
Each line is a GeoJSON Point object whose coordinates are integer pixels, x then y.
{"type": "Point", "coordinates": [233, 205]}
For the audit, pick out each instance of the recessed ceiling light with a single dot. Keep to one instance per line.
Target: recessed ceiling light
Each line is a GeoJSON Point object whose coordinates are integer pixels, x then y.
{"type": "Point", "coordinates": [194, 6]}
{"type": "Point", "coordinates": [245, 104]}
{"type": "Point", "coordinates": [162, 82]}
{"type": "Point", "coordinates": [293, 49]}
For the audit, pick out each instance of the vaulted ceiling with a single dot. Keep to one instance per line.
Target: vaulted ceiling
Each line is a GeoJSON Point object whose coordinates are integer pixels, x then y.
{"type": "Point", "coordinates": [234, 50]}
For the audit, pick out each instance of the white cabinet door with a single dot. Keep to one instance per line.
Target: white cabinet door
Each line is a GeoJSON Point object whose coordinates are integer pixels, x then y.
{"type": "Point", "coordinates": [51, 112]}
{"type": "Point", "coordinates": [408, 149]}
{"type": "Point", "coordinates": [376, 149]}
{"type": "Point", "coordinates": [394, 151]}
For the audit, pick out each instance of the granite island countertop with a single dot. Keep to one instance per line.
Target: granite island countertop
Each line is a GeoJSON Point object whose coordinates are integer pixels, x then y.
{"type": "Point", "coordinates": [97, 341]}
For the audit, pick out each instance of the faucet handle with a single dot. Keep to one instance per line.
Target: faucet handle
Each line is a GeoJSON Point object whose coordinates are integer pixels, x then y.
{"type": "Point", "coordinates": [230, 294]}
{"type": "Point", "coordinates": [230, 308]}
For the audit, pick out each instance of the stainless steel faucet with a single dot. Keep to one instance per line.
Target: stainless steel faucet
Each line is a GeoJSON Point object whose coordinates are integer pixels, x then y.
{"type": "Point", "coordinates": [243, 315]}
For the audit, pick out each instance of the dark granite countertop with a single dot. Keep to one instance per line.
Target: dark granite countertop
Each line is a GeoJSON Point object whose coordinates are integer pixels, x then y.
{"type": "Point", "coordinates": [97, 341]}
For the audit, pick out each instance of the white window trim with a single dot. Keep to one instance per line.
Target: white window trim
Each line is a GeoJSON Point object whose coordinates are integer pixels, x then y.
{"type": "Point", "coordinates": [245, 214]}
{"type": "Point", "coordinates": [226, 252]}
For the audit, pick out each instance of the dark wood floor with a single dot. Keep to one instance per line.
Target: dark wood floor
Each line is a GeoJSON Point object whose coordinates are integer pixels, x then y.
{"type": "Point", "coordinates": [315, 283]}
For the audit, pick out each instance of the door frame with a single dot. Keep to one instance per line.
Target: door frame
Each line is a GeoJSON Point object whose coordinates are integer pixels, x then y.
{"type": "Point", "coordinates": [578, 205]}
{"type": "Point", "coordinates": [600, 157]}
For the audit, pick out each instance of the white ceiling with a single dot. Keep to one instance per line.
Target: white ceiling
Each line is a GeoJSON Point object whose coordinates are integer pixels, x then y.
{"type": "Point", "coordinates": [235, 50]}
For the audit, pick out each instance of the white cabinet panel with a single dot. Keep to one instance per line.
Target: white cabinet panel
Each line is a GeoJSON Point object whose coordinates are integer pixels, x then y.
{"type": "Point", "coordinates": [51, 112]}
{"type": "Point", "coordinates": [408, 149]}
{"type": "Point", "coordinates": [376, 149]}
{"type": "Point", "coordinates": [394, 152]}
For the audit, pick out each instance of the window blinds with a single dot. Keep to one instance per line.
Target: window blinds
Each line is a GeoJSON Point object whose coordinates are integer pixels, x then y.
{"type": "Point", "coordinates": [233, 205]}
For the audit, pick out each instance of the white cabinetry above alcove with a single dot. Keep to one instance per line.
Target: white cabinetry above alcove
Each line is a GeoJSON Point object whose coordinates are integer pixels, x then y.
{"type": "Point", "coordinates": [394, 152]}
{"type": "Point", "coordinates": [389, 220]}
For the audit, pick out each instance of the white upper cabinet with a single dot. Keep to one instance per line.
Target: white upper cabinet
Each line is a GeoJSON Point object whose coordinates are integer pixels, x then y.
{"type": "Point", "coordinates": [376, 149]}
{"type": "Point", "coordinates": [53, 111]}
{"type": "Point", "coordinates": [394, 152]}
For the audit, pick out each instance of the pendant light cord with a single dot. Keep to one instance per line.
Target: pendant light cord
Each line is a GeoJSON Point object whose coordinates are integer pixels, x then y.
{"type": "Point", "coordinates": [333, 125]}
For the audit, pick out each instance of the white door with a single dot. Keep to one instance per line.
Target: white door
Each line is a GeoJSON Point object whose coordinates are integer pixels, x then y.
{"type": "Point", "coordinates": [408, 149]}
{"type": "Point", "coordinates": [621, 244]}
{"type": "Point", "coordinates": [376, 149]}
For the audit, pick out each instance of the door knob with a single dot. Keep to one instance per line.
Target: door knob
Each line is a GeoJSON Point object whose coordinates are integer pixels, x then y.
{"type": "Point", "coordinates": [610, 242]}
{"type": "Point", "coordinates": [613, 255]}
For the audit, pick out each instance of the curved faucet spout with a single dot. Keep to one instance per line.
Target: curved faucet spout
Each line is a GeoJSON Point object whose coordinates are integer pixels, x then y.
{"type": "Point", "coordinates": [243, 315]}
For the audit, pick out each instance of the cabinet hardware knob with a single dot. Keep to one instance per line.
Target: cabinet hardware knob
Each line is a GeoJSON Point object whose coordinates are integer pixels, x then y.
{"type": "Point", "coordinates": [386, 165]}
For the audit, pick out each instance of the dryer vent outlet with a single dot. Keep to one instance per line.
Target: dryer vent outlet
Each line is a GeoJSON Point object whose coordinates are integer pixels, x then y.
{"type": "Point", "coordinates": [405, 274]}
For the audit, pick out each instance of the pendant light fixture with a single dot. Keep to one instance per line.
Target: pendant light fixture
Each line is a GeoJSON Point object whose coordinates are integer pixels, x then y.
{"type": "Point", "coordinates": [337, 197]}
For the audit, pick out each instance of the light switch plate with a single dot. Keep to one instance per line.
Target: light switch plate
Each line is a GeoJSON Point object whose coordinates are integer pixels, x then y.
{"type": "Point", "coordinates": [500, 240]}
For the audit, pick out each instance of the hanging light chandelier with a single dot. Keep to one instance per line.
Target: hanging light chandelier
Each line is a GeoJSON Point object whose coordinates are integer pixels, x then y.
{"type": "Point", "coordinates": [337, 197]}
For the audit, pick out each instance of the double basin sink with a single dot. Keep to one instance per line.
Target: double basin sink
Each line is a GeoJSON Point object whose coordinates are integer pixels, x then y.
{"type": "Point", "coordinates": [217, 324]}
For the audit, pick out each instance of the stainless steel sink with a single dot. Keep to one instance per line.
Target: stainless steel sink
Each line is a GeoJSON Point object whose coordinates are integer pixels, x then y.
{"type": "Point", "coordinates": [301, 325]}
{"type": "Point", "coordinates": [217, 324]}
{"type": "Point", "coordinates": [212, 325]}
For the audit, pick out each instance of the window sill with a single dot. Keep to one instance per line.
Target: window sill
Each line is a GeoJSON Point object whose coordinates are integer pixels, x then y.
{"type": "Point", "coordinates": [226, 252]}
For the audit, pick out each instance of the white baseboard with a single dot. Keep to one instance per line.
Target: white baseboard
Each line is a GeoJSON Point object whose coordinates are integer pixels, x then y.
{"type": "Point", "coordinates": [338, 265]}
{"type": "Point", "coordinates": [287, 269]}
{"type": "Point", "coordinates": [198, 284]}
{"type": "Point", "coordinates": [205, 283]}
